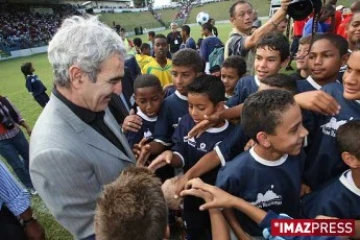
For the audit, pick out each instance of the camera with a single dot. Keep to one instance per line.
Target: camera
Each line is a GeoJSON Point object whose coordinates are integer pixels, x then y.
{"type": "Point", "coordinates": [300, 9]}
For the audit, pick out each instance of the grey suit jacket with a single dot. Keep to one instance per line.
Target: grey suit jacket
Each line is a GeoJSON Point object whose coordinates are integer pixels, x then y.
{"type": "Point", "coordinates": [70, 163]}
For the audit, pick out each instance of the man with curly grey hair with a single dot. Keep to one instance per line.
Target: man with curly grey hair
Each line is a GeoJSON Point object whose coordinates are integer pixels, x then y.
{"type": "Point", "coordinates": [76, 145]}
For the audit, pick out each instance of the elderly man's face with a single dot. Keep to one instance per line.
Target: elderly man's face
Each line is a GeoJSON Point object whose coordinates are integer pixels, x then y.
{"type": "Point", "coordinates": [96, 96]}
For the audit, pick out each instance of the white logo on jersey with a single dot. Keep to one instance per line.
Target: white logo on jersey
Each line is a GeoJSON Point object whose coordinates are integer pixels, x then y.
{"type": "Point", "coordinates": [176, 124]}
{"type": "Point", "coordinates": [148, 134]}
{"type": "Point", "coordinates": [268, 199]}
{"type": "Point", "coordinates": [190, 141]}
{"type": "Point", "coordinates": [332, 126]}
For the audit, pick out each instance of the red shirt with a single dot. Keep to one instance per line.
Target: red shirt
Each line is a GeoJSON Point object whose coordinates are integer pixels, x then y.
{"type": "Point", "coordinates": [342, 27]}
{"type": "Point", "coordinates": [299, 26]}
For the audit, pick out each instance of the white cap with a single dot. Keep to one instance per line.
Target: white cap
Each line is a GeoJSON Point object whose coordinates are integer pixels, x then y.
{"type": "Point", "coordinates": [340, 7]}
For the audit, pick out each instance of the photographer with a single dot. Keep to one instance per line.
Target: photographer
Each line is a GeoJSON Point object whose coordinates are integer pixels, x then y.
{"type": "Point", "coordinates": [13, 142]}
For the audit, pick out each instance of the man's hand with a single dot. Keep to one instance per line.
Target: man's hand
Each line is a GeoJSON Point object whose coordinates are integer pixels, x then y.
{"type": "Point", "coordinates": [132, 122]}
{"type": "Point", "coordinates": [318, 101]}
{"type": "Point", "coordinates": [161, 160]}
{"type": "Point", "coordinates": [220, 198]}
{"type": "Point", "coordinates": [285, 4]}
{"type": "Point", "coordinates": [201, 127]}
{"type": "Point", "coordinates": [28, 130]}
{"type": "Point", "coordinates": [34, 231]}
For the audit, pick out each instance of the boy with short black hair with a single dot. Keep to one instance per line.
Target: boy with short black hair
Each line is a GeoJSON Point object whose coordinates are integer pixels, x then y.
{"type": "Point", "coordinates": [272, 54]}
{"type": "Point", "coordinates": [328, 53]}
{"type": "Point", "coordinates": [187, 65]}
{"type": "Point", "coordinates": [188, 41]}
{"type": "Point", "coordinates": [132, 207]}
{"type": "Point", "coordinates": [232, 69]}
{"type": "Point", "coordinates": [274, 121]}
{"type": "Point", "coordinates": [160, 66]}
{"type": "Point", "coordinates": [205, 96]}
{"type": "Point", "coordinates": [34, 84]}
{"type": "Point", "coordinates": [345, 190]}
{"type": "Point", "coordinates": [302, 56]}
{"type": "Point", "coordinates": [144, 56]}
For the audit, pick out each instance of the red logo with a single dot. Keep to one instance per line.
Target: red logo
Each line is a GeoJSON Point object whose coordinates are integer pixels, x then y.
{"type": "Point", "coordinates": [312, 227]}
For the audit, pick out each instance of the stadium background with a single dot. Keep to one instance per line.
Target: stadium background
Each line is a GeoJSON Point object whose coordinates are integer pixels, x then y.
{"type": "Point", "coordinates": [12, 83]}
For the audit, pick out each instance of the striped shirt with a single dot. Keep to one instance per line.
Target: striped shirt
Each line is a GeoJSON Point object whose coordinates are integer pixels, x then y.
{"type": "Point", "coordinates": [16, 198]}
{"type": "Point", "coordinates": [164, 74]}
{"type": "Point", "coordinates": [6, 133]}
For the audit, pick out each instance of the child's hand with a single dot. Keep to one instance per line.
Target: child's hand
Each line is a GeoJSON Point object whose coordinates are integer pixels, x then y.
{"type": "Point", "coordinates": [249, 144]}
{"type": "Point", "coordinates": [143, 156]}
{"type": "Point", "coordinates": [161, 160]}
{"type": "Point", "coordinates": [305, 189]}
{"type": "Point", "coordinates": [137, 147]}
{"type": "Point", "coordinates": [132, 123]}
{"type": "Point", "coordinates": [201, 127]}
{"type": "Point", "coordinates": [220, 198]}
{"type": "Point", "coordinates": [318, 101]}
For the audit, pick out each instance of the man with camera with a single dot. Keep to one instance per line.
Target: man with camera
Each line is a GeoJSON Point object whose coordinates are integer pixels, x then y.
{"type": "Point", "coordinates": [13, 143]}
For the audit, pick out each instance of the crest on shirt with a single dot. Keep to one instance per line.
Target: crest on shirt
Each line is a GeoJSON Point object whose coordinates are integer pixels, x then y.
{"type": "Point", "coordinates": [202, 147]}
{"type": "Point", "coordinates": [332, 126]}
{"type": "Point", "coordinates": [190, 141]}
{"type": "Point", "coordinates": [270, 198]}
{"type": "Point", "coordinates": [176, 124]}
{"type": "Point", "coordinates": [148, 134]}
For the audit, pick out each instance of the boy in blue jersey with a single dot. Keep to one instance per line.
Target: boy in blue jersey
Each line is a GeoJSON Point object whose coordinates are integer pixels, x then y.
{"type": "Point", "coordinates": [328, 53]}
{"type": "Point", "coordinates": [232, 69]}
{"type": "Point", "coordinates": [341, 197]}
{"type": "Point", "coordinates": [34, 84]}
{"type": "Point", "coordinates": [272, 54]}
{"type": "Point", "coordinates": [217, 199]}
{"type": "Point", "coordinates": [205, 96]}
{"type": "Point", "coordinates": [269, 175]}
{"type": "Point", "coordinates": [187, 64]}
{"type": "Point", "coordinates": [324, 159]}
{"type": "Point", "coordinates": [148, 98]}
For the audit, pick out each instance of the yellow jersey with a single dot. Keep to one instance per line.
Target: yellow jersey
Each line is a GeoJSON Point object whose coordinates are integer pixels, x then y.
{"type": "Point", "coordinates": [143, 60]}
{"type": "Point", "coordinates": [164, 74]}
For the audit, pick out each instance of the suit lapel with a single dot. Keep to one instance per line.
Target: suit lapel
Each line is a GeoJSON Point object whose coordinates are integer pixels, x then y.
{"type": "Point", "coordinates": [115, 128]}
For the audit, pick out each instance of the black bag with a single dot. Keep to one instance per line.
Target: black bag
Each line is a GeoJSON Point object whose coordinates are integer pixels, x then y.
{"type": "Point", "coordinates": [5, 118]}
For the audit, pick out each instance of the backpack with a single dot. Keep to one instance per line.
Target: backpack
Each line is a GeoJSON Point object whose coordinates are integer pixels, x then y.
{"type": "Point", "coordinates": [216, 57]}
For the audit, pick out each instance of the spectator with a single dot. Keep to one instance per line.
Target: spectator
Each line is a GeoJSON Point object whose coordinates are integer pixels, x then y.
{"type": "Point", "coordinates": [209, 43]}
{"type": "Point", "coordinates": [240, 41]}
{"type": "Point", "coordinates": [15, 202]}
{"type": "Point", "coordinates": [326, 12]}
{"type": "Point", "coordinates": [13, 142]}
{"type": "Point", "coordinates": [187, 41]}
{"type": "Point", "coordinates": [77, 146]}
{"type": "Point", "coordinates": [174, 38]}
{"type": "Point", "coordinates": [212, 22]}
{"type": "Point", "coordinates": [355, 7]}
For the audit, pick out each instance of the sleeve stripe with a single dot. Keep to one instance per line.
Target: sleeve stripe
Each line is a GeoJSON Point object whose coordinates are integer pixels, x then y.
{"type": "Point", "coordinates": [221, 157]}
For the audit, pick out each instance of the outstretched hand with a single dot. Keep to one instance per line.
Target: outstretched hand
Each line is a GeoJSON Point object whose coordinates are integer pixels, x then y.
{"type": "Point", "coordinates": [318, 101]}
{"type": "Point", "coordinates": [161, 160]}
{"type": "Point", "coordinates": [201, 127]}
{"type": "Point", "coordinates": [213, 196]}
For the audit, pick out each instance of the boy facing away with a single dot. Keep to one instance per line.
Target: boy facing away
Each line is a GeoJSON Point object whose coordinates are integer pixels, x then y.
{"type": "Point", "coordinates": [269, 175]}
{"type": "Point", "coordinates": [132, 207]}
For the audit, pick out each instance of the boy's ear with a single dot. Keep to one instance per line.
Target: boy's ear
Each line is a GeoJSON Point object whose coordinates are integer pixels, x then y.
{"type": "Point", "coordinates": [263, 139]}
{"type": "Point", "coordinates": [350, 160]}
{"type": "Point", "coordinates": [285, 62]}
{"type": "Point", "coordinates": [220, 106]}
